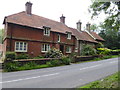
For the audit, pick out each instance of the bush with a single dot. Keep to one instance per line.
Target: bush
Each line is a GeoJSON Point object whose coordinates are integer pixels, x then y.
{"type": "Point", "coordinates": [53, 53]}
{"type": "Point", "coordinates": [54, 63]}
{"type": "Point", "coordinates": [115, 52]}
{"type": "Point", "coordinates": [88, 50]}
{"type": "Point", "coordinates": [38, 57]}
{"type": "Point", "coordinates": [28, 65]}
{"type": "Point", "coordinates": [11, 66]}
{"type": "Point", "coordinates": [99, 45]}
{"type": "Point", "coordinates": [104, 51]}
{"type": "Point", "coordinates": [22, 56]}
{"type": "Point", "coordinates": [10, 55]}
{"type": "Point", "coordinates": [66, 60]}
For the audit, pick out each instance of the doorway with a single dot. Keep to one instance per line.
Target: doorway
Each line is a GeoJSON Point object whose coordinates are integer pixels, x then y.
{"type": "Point", "coordinates": [62, 48]}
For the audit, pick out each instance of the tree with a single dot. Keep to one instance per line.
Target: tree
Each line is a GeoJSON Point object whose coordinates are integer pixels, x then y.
{"type": "Point", "coordinates": [110, 28]}
{"type": "Point", "coordinates": [112, 37]}
{"type": "Point", "coordinates": [93, 27]}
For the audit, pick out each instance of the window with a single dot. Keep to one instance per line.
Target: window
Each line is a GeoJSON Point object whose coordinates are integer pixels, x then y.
{"type": "Point", "coordinates": [45, 47]}
{"type": "Point", "coordinates": [68, 35]}
{"type": "Point", "coordinates": [68, 49]}
{"type": "Point", "coordinates": [20, 46]}
{"type": "Point", "coordinates": [46, 31]}
{"type": "Point", "coordinates": [58, 37]}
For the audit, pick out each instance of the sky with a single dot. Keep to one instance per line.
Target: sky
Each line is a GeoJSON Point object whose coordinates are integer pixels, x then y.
{"type": "Point", "coordinates": [73, 10]}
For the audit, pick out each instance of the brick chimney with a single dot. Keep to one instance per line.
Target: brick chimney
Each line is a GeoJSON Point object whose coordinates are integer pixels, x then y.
{"type": "Point", "coordinates": [88, 26]}
{"type": "Point", "coordinates": [62, 19]}
{"type": "Point", "coordinates": [28, 7]}
{"type": "Point", "coordinates": [79, 25]}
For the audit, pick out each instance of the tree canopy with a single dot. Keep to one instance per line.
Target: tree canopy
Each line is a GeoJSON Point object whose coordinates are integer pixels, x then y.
{"type": "Point", "coordinates": [110, 28]}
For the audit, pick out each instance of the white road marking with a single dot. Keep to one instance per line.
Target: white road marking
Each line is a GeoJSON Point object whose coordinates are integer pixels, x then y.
{"type": "Point", "coordinates": [113, 62]}
{"type": "Point", "coordinates": [29, 78]}
{"type": "Point", "coordinates": [91, 67]}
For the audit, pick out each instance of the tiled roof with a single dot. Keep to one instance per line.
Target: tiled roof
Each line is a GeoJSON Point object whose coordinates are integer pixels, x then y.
{"type": "Point", "coordinates": [97, 36]}
{"type": "Point", "coordinates": [35, 21]}
{"type": "Point", "coordinates": [82, 35]}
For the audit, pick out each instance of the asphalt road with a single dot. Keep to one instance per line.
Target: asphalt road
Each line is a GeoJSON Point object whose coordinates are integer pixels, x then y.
{"type": "Point", "coordinates": [69, 76]}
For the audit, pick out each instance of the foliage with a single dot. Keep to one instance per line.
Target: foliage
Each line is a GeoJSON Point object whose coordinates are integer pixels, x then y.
{"type": "Point", "coordinates": [99, 45]}
{"type": "Point", "coordinates": [53, 53]}
{"type": "Point", "coordinates": [54, 63]}
{"type": "Point", "coordinates": [103, 51]}
{"type": "Point", "coordinates": [66, 60]}
{"type": "Point", "coordinates": [22, 56]}
{"type": "Point", "coordinates": [10, 55]}
{"type": "Point", "coordinates": [111, 37]}
{"type": "Point", "coordinates": [110, 28]}
{"type": "Point", "coordinates": [93, 27]}
{"type": "Point", "coordinates": [106, 51]}
{"type": "Point", "coordinates": [38, 57]}
{"type": "Point", "coordinates": [11, 66]}
{"type": "Point", "coordinates": [88, 50]}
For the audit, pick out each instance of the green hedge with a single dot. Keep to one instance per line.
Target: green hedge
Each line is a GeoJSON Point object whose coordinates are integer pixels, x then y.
{"type": "Point", "coordinates": [10, 56]}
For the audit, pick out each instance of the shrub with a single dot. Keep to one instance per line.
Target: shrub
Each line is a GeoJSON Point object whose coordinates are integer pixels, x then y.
{"type": "Point", "coordinates": [66, 60]}
{"type": "Point", "coordinates": [10, 55]}
{"type": "Point", "coordinates": [28, 65]}
{"type": "Point", "coordinates": [53, 53]}
{"type": "Point", "coordinates": [99, 45]}
{"type": "Point", "coordinates": [54, 63]}
{"type": "Point", "coordinates": [104, 51]}
{"type": "Point", "coordinates": [11, 66]}
{"type": "Point", "coordinates": [88, 50]}
{"type": "Point", "coordinates": [38, 57]}
{"type": "Point", "coordinates": [115, 52]}
{"type": "Point", "coordinates": [22, 56]}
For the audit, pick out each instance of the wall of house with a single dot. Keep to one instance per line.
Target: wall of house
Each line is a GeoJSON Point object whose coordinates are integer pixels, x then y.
{"type": "Point", "coordinates": [35, 39]}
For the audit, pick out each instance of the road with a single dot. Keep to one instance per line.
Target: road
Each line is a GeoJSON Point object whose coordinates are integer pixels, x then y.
{"type": "Point", "coordinates": [69, 76]}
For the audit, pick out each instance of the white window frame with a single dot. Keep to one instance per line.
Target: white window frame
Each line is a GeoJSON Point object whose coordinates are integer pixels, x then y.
{"type": "Point", "coordinates": [47, 31]}
{"type": "Point", "coordinates": [45, 47]}
{"type": "Point", "coordinates": [68, 49]}
{"type": "Point", "coordinates": [19, 47]}
{"type": "Point", "coordinates": [58, 37]}
{"type": "Point", "coordinates": [68, 35]}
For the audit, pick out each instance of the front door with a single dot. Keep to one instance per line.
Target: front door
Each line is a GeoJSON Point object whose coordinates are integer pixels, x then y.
{"type": "Point", "coordinates": [62, 48]}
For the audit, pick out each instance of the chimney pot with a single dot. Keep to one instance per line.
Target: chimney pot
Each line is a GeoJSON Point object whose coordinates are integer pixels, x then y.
{"type": "Point", "coordinates": [79, 25]}
{"type": "Point", "coordinates": [28, 8]}
{"type": "Point", "coordinates": [62, 19]}
{"type": "Point", "coordinates": [88, 26]}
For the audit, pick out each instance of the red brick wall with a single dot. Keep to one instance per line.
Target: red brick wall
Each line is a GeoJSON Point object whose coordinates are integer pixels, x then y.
{"type": "Point", "coordinates": [34, 38]}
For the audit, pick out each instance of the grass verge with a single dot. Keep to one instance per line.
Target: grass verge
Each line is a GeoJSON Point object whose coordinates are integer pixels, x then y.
{"type": "Point", "coordinates": [108, 82]}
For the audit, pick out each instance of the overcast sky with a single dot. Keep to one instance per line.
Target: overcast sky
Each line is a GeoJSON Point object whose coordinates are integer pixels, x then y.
{"type": "Point", "coordinates": [73, 10]}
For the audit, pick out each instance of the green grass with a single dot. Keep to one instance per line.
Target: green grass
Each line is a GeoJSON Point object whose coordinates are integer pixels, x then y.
{"type": "Point", "coordinates": [108, 82]}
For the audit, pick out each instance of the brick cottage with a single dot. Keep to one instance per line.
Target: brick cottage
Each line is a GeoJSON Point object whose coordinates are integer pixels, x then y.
{"type": "Point", "coordinates": [36, 35]}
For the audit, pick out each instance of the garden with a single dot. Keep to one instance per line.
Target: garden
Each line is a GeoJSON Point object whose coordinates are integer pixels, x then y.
{"type": "Point", "coordinates": [54, 57]}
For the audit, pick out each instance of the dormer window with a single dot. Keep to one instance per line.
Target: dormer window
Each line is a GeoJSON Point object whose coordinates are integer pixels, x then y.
{"type": "Point", "coordinates": [46, 31]}
{"type": "Point", "coordinates": [68, 35]}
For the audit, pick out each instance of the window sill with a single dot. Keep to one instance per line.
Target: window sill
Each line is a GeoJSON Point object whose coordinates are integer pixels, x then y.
{"type": "Point", "coordinates": [47, 35]}
{"type": "Point", "coordinates": [44, 51]}
{"type": "Point", "coordinates": [20, 51]}
{"type": "Point", "coordinates": [68, 52]}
